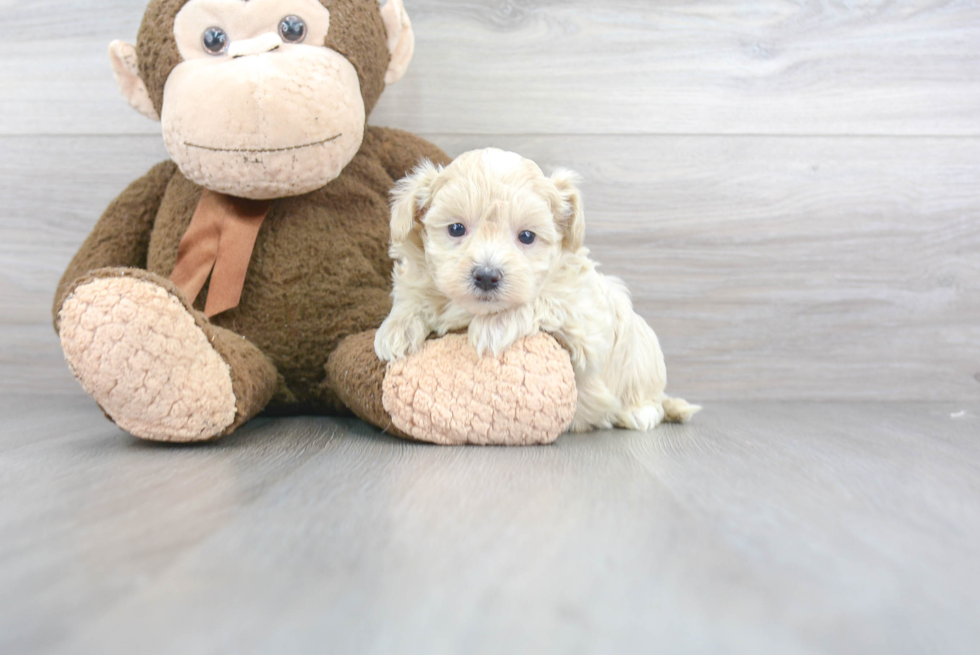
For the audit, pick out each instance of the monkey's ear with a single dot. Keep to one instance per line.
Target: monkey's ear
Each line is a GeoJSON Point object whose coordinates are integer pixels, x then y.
{"type": "Point", "coordinates": [401, 38]}
{"type": "Point", "coordinates": [569, 211]}
{"type": "Point", "coordinates": [410, 200]}
{"type": "Point", "coordinates": [125, 68]}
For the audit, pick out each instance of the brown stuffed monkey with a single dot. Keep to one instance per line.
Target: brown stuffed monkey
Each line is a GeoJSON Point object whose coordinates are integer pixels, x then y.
{"type": "Point", "coordinates": [248, 274]}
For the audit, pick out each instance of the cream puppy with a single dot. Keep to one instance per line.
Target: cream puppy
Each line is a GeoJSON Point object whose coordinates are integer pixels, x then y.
{"type": "Point", "coordinates": [492, 245]}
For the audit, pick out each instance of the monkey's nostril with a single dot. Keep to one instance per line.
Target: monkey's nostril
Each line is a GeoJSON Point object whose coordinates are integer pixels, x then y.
{"type": "Point", "coordinates": [487, 279]}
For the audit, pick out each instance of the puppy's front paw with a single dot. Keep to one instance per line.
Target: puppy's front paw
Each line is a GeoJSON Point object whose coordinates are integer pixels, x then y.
{"type": "Point", "coordinates": [488, 341]}
{"type": "Point", "coordinates": [400, 336]}
{"type": "Point", "coordinates": [495, 333]}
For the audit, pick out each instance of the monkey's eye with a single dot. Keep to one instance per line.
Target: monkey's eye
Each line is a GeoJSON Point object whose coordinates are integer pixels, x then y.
{"type": "Point", "coordinates": [457, 230]}
{"type": "Point", "coordinates": [215, 41]}
{"type": "Point", "coordinates": [526, 237]}
{"type": "Point", "coordinates": [292, 29]}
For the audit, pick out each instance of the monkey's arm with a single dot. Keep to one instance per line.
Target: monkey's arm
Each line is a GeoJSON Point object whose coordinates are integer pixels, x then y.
{"type": "Point", "coordinates": [401, 151]}
{"type": "Point", "coordinates": [122, 236]}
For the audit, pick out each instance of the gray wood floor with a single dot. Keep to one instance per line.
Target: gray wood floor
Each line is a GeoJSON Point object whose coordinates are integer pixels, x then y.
{"type": "Point", "coordinates": [760, 528]}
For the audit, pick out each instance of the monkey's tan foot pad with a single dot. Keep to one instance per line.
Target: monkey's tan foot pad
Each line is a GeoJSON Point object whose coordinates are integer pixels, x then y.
{"type": "Point", "coordinates": [446, 394]}
{"type": "Point", "coordinates": [139, 353]}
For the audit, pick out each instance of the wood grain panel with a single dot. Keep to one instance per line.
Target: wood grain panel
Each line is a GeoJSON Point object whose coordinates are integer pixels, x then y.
{"type": "Point", "coordinates": [53, 190]}
{"type": "Point", "coordinates": [759, 528]}
{"type": "Point", "coordinates": [579, 67]}
{"type": "Point", "coordinates": [773, 268]}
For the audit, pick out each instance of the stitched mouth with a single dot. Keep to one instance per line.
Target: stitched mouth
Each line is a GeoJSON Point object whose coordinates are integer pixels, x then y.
{"type": "Point", "coordinates": [261, 150]}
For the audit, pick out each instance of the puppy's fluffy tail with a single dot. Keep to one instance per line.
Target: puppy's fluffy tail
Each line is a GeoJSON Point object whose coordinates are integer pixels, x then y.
{"type": "Point", "coordinates": [678, 410]}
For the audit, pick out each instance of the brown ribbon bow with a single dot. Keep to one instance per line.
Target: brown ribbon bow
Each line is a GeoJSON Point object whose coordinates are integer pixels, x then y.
{"type": "Point", "coordinates": [219, 242]}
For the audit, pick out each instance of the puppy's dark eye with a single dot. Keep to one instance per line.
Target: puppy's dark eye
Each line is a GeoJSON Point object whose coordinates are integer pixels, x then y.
{"type": "Point", "coordinates": [292, 29]}
{"type": "Point", "coordinates": [527, 238]}
{"type": "Point", "coordinates": [457, 230]}
{"type": "Point", "coordinates": [215, 41]}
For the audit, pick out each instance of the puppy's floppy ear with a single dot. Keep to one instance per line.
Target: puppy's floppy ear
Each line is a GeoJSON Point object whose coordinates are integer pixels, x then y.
{"type": "Point", "coordinates": [569, 213]}
{"type": "Point", "coordinates": [410, 199]}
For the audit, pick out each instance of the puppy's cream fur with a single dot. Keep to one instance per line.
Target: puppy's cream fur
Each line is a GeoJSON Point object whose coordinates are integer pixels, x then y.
{"type": "Point", "coordinates": [549, 285]}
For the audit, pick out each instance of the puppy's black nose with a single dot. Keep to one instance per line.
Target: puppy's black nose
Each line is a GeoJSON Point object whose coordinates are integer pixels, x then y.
{"type": "Point", "coordinates": [487, 279]}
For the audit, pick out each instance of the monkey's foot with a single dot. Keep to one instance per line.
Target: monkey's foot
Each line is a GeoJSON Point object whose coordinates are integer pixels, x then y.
{"type": "Point", "coordinates": [140, 353]}
{"type": "Point", "coordinates": [449, 395]}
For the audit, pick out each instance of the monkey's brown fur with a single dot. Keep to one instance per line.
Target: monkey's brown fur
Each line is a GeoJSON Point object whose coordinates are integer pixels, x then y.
{"type": "Point", "coordinates": [319, 271]}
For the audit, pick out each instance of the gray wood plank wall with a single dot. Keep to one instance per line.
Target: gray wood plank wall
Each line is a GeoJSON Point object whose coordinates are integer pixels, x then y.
{"type": "Point", "coordinates": [791, 189]}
